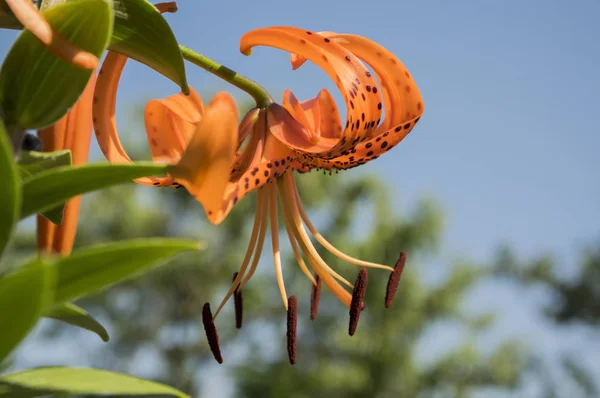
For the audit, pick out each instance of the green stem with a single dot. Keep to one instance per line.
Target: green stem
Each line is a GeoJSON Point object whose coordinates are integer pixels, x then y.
{"type": "Point", "coordinates": [260, 95]}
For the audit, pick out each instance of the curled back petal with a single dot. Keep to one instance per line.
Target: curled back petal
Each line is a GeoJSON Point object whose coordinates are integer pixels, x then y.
{"type": "Point", "coordinates": [105, 126]}
{"type": "Point", "coordinates": [319, 115]}
{"type": "Point", "coordinates": [265, 159]}
{"type": "Point", "coordinates": [254, 147]}
{"type": "Point", "coordinates": [246, 125]}
{"type": "Point", "coordinates": [307, 113]}
{"type": "Point", "coordinates": [292, 133]}
{"type": "Point", "coordinates": [170, 123]}
{"type": "Point", "coordinates": [402, 99]}
{"type": "Point", "coordinates": [354, 81]}
{"type": "Point", "coordinates": [205, 166]}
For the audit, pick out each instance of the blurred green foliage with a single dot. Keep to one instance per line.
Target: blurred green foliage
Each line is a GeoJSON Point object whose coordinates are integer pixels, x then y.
{"type": "Point", "coordinates": [160, 313]}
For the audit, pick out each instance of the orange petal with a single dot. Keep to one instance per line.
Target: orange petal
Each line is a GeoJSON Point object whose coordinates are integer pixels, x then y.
{"type": "Point", "coordinates": [73, 132]}
{"type": "Point", "coordinates": [105, 126]}
{"type": "Point", "coordinates": [306, 112]}
{"type": "Point", "coordinates": [170, 123]}
{"type": "Point", "coordinates": [205, 166]}
{"type": "Point", "coordinates": [354, 81]}
{"type": "Point", "coordinates": [254, 148]}
{"type": "Point", "coordinates": [293, 134]}
{"type": "Point", "coordinates": [402, 99]}
{"type": "Point", "coordinates": [29, 16]}
{"type": "Point", "coordinates": [270, 159]}
{"type": "Point", "coordinates": [246, 125]}
{"type": "Point", "coordinates": [320, 114]}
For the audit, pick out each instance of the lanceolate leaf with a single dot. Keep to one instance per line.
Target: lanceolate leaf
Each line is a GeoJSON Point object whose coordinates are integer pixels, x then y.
{"type": "Point", "coordinates": [141, 33]}
{"type": "Point", "coordinates": [77, 316]}
{"type": "Point", "coordinates": [37, 88]}
{"type": "Point", "coordinates": [10, 191]}
{"type": "Point", "coordinates": [24, 295]}
{"type": "Point", "coordinates": [73, 381]}
{"type": "Point", "coordinates": [31, 162]}
{"type": "Point", "coordinates": [95, 267]}
{"type": "Point", "coordinates": [46, 190]}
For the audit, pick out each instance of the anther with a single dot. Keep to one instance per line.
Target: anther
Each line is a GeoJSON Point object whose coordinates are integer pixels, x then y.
{"type": "Point", "coordinates": [292, 323]}
{"type": "Point", "coordinates": [356, 305]}
{"type": "Point", "coordinates": [237, 301]}
{"type": "Point", "coordinates": [211, 332]}
{"type": "Point", "coordinates": [314, 298]}
{"type": "Point", "coordinates": [394, 280]}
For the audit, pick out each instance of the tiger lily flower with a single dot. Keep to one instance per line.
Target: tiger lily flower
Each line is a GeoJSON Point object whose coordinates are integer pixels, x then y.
{"type": "Point", "coordinates": [73, 132]}
{"type": "Point", "coordinates": [27, 13]}
{"type": "Point", "coordinates": [269, 145]}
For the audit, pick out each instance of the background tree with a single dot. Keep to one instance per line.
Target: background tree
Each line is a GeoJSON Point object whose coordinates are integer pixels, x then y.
{"type": "Point", "coordinates": [575, 302]}
{"type": "Point", "coordinates": [158, 316]}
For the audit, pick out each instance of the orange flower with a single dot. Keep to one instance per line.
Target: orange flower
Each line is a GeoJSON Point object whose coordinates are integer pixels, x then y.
{"type": "Point", "coordinates": [220, 162]}
{"type": "Point", "coordinates": [73, 132]}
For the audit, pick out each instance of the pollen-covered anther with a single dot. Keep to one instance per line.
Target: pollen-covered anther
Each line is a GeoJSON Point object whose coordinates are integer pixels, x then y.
{"type": "Point", "coordinates": [314, 297]}
{"type": "Point", "coordinates": [394, 280]}
{"type": "Point", "coordinates": [211, 333]}
{"type": "Point", "coordinates": [357, 304]}
{"type": "Point", "coordinates": [237, 301]}
{"type": "Point", "coordinates": [292, 324]}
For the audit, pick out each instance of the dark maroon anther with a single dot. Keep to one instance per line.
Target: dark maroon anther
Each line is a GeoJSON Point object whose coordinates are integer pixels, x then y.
{"type": "Point", "coordinates": [394, 280]}
{"type": "Point", "coordinates": [211, 332]}
{"type": "Point", "coordinates": [237, 301]}
{"type": "Point", "coordinates": [357, 304]}
{"type": "Point", "coordinates": [292, 323]}
{"type": "Point", "coordinates": [314, 298]}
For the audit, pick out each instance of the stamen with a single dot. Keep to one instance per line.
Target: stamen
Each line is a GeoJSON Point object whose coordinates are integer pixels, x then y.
{"type": "Point", "coordinates": [237, 301]}
{"type": "Point", "coordinates": [211, 333]}
{"type": "Point", "coordinates": [325, 243]}
{"type": "Point", "coordinates": [253, 247]}
{"type": "Point", "coordinates": [358, 295]}
{"type": "Point", "coordinates": [275, 242]}
{"type": "Point", "coordinates": [261, 196]}
{"type": "Point", "coordinates": [309, 251]}
{"type": "Point", "coordinates": [295, 248]}
{"type": "Point", "coordinates": [314, 298]}
{"type": "Point", "coordinates": [289, 194]}
{"type": "Point", "coordinates": [292, 324]}
{"type": "Point", "coordinates": [394, 280]}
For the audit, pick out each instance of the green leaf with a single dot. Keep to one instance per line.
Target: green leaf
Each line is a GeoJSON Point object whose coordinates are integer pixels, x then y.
{"type": "Point", "coordinates": [37, 88]}
{"type": "Point", "coordinates": [10, 191]}
{"type": "Point", "coordinates": [50, 188]}
{"type": "Point", "coordinates": [141, 33]}
{"type": "Point", "coordinates": [31, 162]}
{"type": "Point", "coordinates": [77, 316]}
{"type": "Point", "coordinates": [64, 381]}
{"type": "Point", "coordinates": [96, 267]}
{"type": "Point", "coordinates": [24, 295]}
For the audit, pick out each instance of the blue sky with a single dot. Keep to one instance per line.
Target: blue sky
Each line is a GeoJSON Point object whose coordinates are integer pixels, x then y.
{"type": "Point", "coordinates": [509, 142]}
